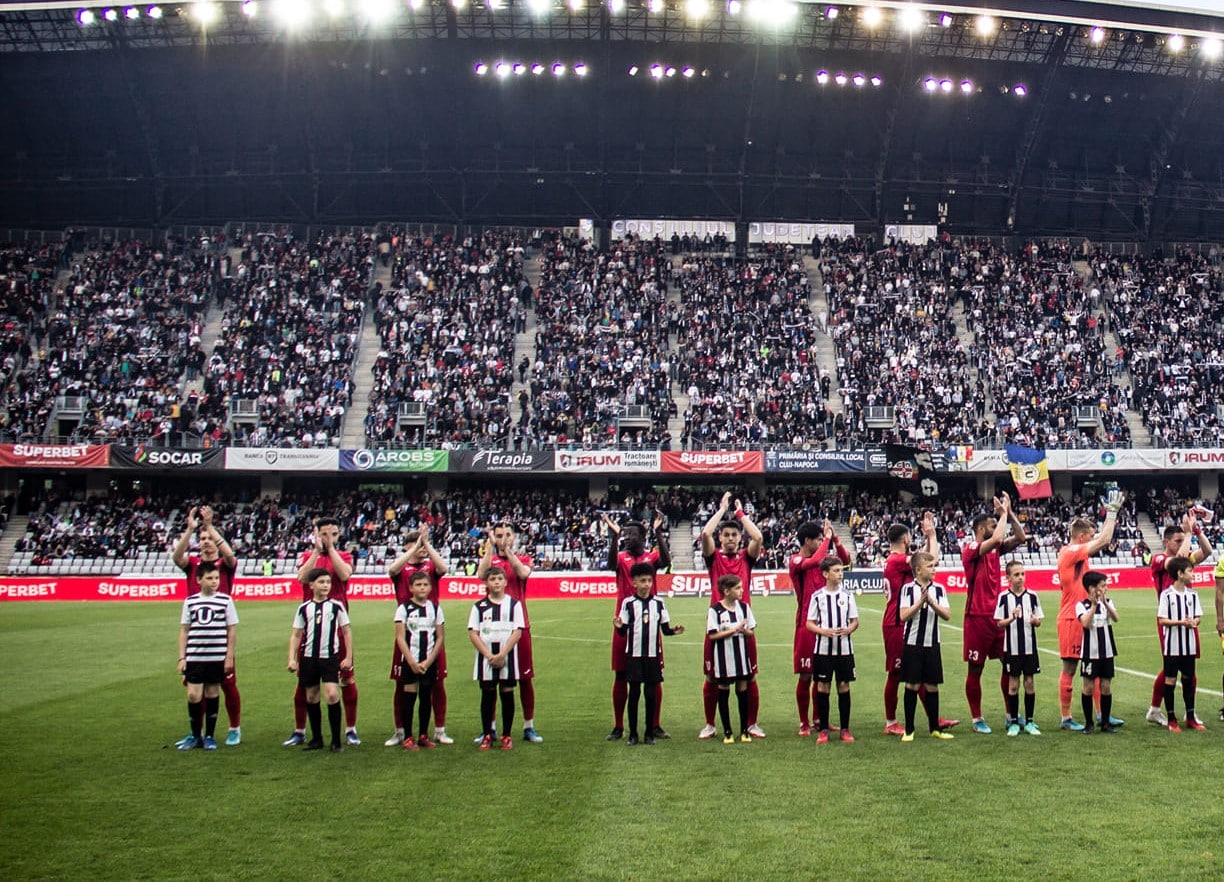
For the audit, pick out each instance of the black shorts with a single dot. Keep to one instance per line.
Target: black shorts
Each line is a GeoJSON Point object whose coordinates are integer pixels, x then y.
{"type": "Point", "coordinates": [921, 664]}
{"type": "Point", "coordinates": [1021, 665]}
{"type": "Point", "coordinates": [826, 668]}
{"type": "Point", "coordinates": [1179, 664]}
{"type": "Point", "coordinates": [643, 670]}
{"type": "Point", "coordinates": [313, 671]}
{"type": "Point", "coordinates": [508, 682]}
{"type": "Point", "coordinates": [209, 673]}
{"type": "Point", "coordinates": [408, 675]}
{"type": "Point", "coordinates": [1097, 669]}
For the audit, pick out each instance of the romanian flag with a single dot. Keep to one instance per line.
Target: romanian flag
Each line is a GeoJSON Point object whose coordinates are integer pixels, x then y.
{"type": "Point", "coordinates": [960, 454]}
{"type": "Point", "coordinates": [1029, 471]}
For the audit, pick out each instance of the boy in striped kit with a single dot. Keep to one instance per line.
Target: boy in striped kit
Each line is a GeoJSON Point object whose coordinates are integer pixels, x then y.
{"type": "Point", "coordinates": [420, 629]}
{"type": "Point", "coordinates": [1018, 613]}
{"type": "Point", "coordinates": [321, 632]}
{"type": "Point", "coordinates": [730, 626]}
{"type": "Point", "coordinates": [206, 654]}
{"type": "Point", "coordinates": [1098, 649]}
{"type": "Point", "coordinates": [495, 626]}
{"type": "Point", "coordinates": [639, 622]}
{"type": "Point", "coordinates": [832, 616]}
{"type": "Point", "coordinates": [921, 604]}
{"type": "Point", "coordinates": [1178, 615]}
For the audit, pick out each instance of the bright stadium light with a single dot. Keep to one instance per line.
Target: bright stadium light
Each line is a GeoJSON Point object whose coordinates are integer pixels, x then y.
{"type": "Point", "coordinates": [501, 69]}
{"type": "Point", "coordinates": [858, 80]}
{"type": "Point", "coordinates": [377, 11]}
{"type": "Point", "coordinates": [110, 14]}
{"type": "Point", "coordinates": [873, 17]}
{"type": "Point", "coordinates": [293, 14]}
{"type": "Point", "coordinates": [205, 13]}
{"type": "Point", "coordinates": [696, 9]}
{"type": "Point", "coordinates": [734, 7]}
{"type": "Point", "coordinates": [912, 19]}
{"type": "Point", "coordinates": [688, 73]}
{"type": "Point", "coordinates": [633, 70]}
{"type": "Point", "coordinates": [459, 4]}
{"type": "Point", "coordinates": [86, 17]}
{"type": "Point", "coordinates": [132, 13]}
{"type": "Point", "coordinates": [985, 25]}
{"type": "Point", "coordinates": [966, 87]}
{"type": "Point", "coordinates": [154, 12]}
{"type": "Point", "coordinates": [558, 69]}
{"type": "Point", "coordinates": [333, 8]}
{"type": "Point", "coordinates": [656, 71]}
{"type": "Point", "coordinates": [1212, 48]}
{"type": "Point", "coordinates": [1176, 43]}
{"type": "Point", "coordinates": [576, 5]}
{"type": "Point", "coordinates": [1020, 90]}
{"type": "Point", "coordinates": [840, 79]}
{"type": "Point", "coordinates": [481, 68]}
{"type": "Point", "coordinates": [250, 8]}
{"type": "Point", "coordinates": [773, 12]}
{"type": "Point", "coordinates": [1097, 35]}
{"type": "Point", "coordinates": [876, 81]}
{"type": "Point", "coordinates": [655, 6]}
{"type": "Point", "coordinates": [930, 84]}
{"type": "Point", "coordinates": [945, 20]}
{"type": "Point", "coordinates": [580, 69]}
{"type": "Point", "coordinates": [616, 6]}
{"type": "Point", "coordinates": [669, 71]}
{"type": "Point", "coordinates": [945, 86]}
{"type": "Point", "coordinates": [830, 13]}
{"type": "Point", "coordinates": [822, 77]}
{"type": "Point", "coordinates": [519, 68]}
{"type": "Point", "coordinates": [537, 69]}
{"type": "Point", "coordinates": [539, 7]}
{"type": "Point", "coordinates": [495, 5]}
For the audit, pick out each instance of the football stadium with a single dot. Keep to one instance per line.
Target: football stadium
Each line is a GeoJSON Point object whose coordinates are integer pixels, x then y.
{"type": "Point", "coordinates": [615, 439]}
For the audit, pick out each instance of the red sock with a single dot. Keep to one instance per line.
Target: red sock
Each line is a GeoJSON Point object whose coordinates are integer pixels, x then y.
{"type": "Point", "coordinates": [233, 701]}
{"type": "Point", "coordinates": [802, 691]}
{"type": "Point", "coordinates": [439, 704]}
{"type": "Point", "coordinates": [299, 709]}
{"type": "Point", "coordinates": [1003, 678]}
{"type": "Point", "coordinates": [754, 701]}
{"type": "Point", "coordinates": [973, 692]}
{"type": "Point", "coordinates": [709, 698]}
{"type": "Point", "coordinates": [1066, 686]}
{"type": "Point", "coordinates": [658, 706]}
{"type": "Point", "coordinates": [620, 696]}
{"type": "Point", "coordinates": [527, 697]}
{"type": "Point", "coordinates": [892, 684]}
{"type": "Point", "coordinates": [348, 694]}
{"type": "Point", "coordinates": [1096, 695]}
{"type": "Point", "coordinates": [1158, 690]}
{"type": "Point", "coordinates": [395, 706]}
{"type": "Point", "coordinates": [816, 721]}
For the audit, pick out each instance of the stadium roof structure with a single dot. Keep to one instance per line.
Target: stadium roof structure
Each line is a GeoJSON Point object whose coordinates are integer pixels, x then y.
{"type": "Point", "coordinates": [1050, 118]}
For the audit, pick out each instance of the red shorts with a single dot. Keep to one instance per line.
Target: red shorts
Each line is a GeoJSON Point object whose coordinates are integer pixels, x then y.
{"type": "Point", "coordinates": [525, 660]}
{"type": "Point", "coordinates": [619, 642]}
{"type": "Point", "coordinates": [707, 657]}
{"type": "Point", "coordinates": [894, 643]}
{"type": "Point", "coordinates": [1070, 638]}
{"type": "Point", "coordinates": [805, 646]}
{"type": "Point", "coordinates": [983, 640]}
{"type": "Point", "coordinates": [397, 661]}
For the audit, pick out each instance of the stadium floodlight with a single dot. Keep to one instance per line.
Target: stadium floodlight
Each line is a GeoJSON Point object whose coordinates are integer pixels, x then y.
{"type": "Point", "coordinates": [688, 73]}
{"type": "Point", "coordinates": [537, 69]}
{"type": "Point", "coordinates": [481, 68]}
{"type": "Point", "coordinates": [458, 4]}
{"type": "Point", "coordinates": [830, 13]}
{"type": "Point", "coordinates": [132, 13]}
{"type": "Point", "coordinates": [294, 14]}
{"type": "Point", "coordinates": [519, 68]}
{"type": "Point", "coordinates": [539, 7]}
{"type": "Point", "coordinates": [86, 17]}
{"type": "Point", "coordinates": [580, 69]}
{"type": "Point", "coordinates": [945, 20]}
{"type": "Point", "coordinates": [966, 87]}
{"type": "Point", "coordinates": [773, 12]}
{"type": "Point", "coordinates": [616, 6]}
{"type": "Point", "coordinates": [558, 69]}
{"type": "Point", "coordinates": [945, 86]}
{"type": "Point", "coordinates": [333, 8]}
{"type": "Point", "coordinates": [1176, 43]}
{"type": "Point", "coordinates": [839, 78]}
{"type": "Point", "coordinates": [858, 80]}
{"type": "Point", "coordinates": [633, 70]}
{"type": "Point", "coordinates": [822, 77]}
{"type": "Point", "coordinates": [501, 69]}
{"type": "Point", "coordinates": [656, 71]}
{"type": "Point", "coordinates": [877, 81]}
{"type": "Point", "coordinates": [697, 9]}
{"type": "Point", "coordinates": [204, 12]}
{"type": "Point", "coordinates": [873, 17]}
{"type": "Point", "coordinates": [576, 5]}
{"type": "Point", "coordinates": [1097, 35]}
{"type": "Point", "coordinates": [495, 5]}
{"type": "Point", "coordinates": [110, 14]}
{"type": "Point", "coordinates": [1212, 48]}
{"type": "Point", "coordinates": [912, 19]}
{"type": "Point", "coordinates": [930, 84]}
{"type": "Point", "coordinates": [655, 6]}
{"type": "Point", "coordinates": [250, 8]}
{"type": "Point", "coordinates": [985, 25]}
{"type": "Point", "coordinates": [1020, 90]}
{"type": "Point", "coordinates": [416, 5]}
{"type": "Point", "coordinates": [734, 7]}
{"type": "Point", "coordinates": [669, 71]}
{"type": "Point", "coordinates": [377, 11]}
{"type": "Point", "coordinates": [154, 12]}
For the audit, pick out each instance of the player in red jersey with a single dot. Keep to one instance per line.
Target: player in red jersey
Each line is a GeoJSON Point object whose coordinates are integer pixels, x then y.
{"type": "Point", "coordinates": [418, 557]}
{"type": "Point", "coordinates": [632, 535]}
{"type": "Point", "coordinates": [980, 558]}
{"type": "Point", "coordinates": [816, 542]}
{"type": "Point", "coordinates": [499, 552]}
{"type": "Point", "coordinates": [327, 555]}
{"type": "Point", "coordinates": [727, 558]}
{"type": "Point", "coordinates": [1176, 544]}
{"type": "Point", "coordinates": [213, 549]}
{"type": "Point", "coordinates": [897, 572]}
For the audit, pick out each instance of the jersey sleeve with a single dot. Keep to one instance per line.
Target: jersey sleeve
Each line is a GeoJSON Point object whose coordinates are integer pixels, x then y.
{"type": "Point", "coordinates": [1001, 606]}
{"type": "Point", "coordinates": [185, 618]}
{"type": "Point", "coordinates": [342, 617]}
{"type": "Point", "coordinates": [851, 607]}
{"type": "Point", "coordinates": [712, 621]}
{"type": "Point", "coordinates": [969, 552]}
{"type": "Point", "coordinates": [516, 617]}
{"type": "Point", "coordinates": [813, 608]}
{"type": "Point", "coordinates": [401, 613]}
{"type": "Point", "coordinates": [664, 618]}
{"type": "Point", "coordinates": [474, 618]}
{"type": "Point", "coordinates": [439, 618]}
{"type": "Point", "coordinates": [751, 619]}
{"type": "Point", "coordinates": [1162, 608]}
{"type": "Point", "coordinates": [299, 618]}
{"type": "Point", "coordinates": [1037, 610]}
{"type": "Point", "coordinates": [231, 611]}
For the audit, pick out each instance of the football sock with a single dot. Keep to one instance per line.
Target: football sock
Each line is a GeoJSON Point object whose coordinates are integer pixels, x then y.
{"type": "Point", "coordinates": [635, 690]}
{"type": "Point", "coordinates": [1096, 693]}
{"type": "Point", "coordinates": [212, 705]}
{"type": "Point", "coordinates": [1168, 701]}
{"type": "Point", "coordinates": [892, 683]}
{"type": "Point", "coordinates": [801, 701]}
{"type": "Point", "coordinates": [1106, 706]}
{"type": "Point", "coordinates": [932, 708]}
{"type": "Point", "coordinates": [973, 692]}
{"type": "Point", "coordinates": [407, 705]}
{"type": "Point", "coordinates": [620, 694]}
{"type": "Point", "coordinates": [754, 702]}
{"type": "Point", "coordinates": [1188, 696]}
{"type": "Point", "coordinates": [488, 702]}
{"type": "Point", "coordinates": [425, 708]}
{"type": "Point", "coordinates": [507, 707]}
{"type": "Point", "coordinates": [233, 701]}
{"type": "Point", "coordinates": [1158, 690]}
{"type": "Point", "coordinates": [348, 695]}
{"type": "Point", "coordinates": [709, 698]}
{"type": "Point", "coordinates": [1004, 684]}
{"type": "Point", "coordinates": [1013, 707]}
{"type": "Point", "coordinates": [743, 698]}
{"type": "Point", "coordinates": [724, 709]}
{"type": "Point", "coordinates": [316, 721]}
{"type": "Point", "coordinates": [652, 706]}
{"type": "Point", "coordinates": [527, 697]}
{"type": "Point", "coordinates": [1030, 702]}
{"type": "Point", "coordinates": [299, 709]}
{"type": "Point", "coordinates": [911, 706]}
{"type": "Point", "coordinates": [1066, 685]}
{"type": "Point", "coordinates": [438, 693]}
{"type": "Point", "coordinates": [1086, 706]}
{"type": "Point", "coordinates": [658, 704]}
{"type": "Point", "coordinates": [396, 706]}
{"type": "Point", "coordinates": [816, 721]}
{"type": "Point", "coordinates": [333, 721]}
{"type": "Point", "coordinates": [822, 709]}
{"type": "Point", "coordinates": [843, 709]}
{"type": "Point", "coordinates": [195, 713]}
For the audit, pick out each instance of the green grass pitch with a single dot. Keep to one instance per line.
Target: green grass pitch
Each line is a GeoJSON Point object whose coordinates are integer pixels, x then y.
{"type": "Point", "coordinates": [93, 788]}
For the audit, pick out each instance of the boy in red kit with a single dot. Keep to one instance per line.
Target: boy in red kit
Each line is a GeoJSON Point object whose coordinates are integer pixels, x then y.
{"type": "Point", "coordinates": [326, 555]}
{"type": "Point", "coordinates": [726, 558]}
{"type": "Point", "coordinates": [419, 557]}
{"type": "Point", "coordinates": [816, 542]}
{"type": "Point", "coordinates": [633, 536]}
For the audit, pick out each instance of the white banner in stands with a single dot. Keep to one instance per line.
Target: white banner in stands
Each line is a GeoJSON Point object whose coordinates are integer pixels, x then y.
{"type": "Point", "coordinates": [796, 232]}
{"type": "Point", "coordinates": [916, 233]}
{"type": "Point", "coordinates": [664, 228]}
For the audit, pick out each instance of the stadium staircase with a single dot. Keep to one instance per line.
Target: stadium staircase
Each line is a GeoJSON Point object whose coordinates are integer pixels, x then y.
{"type": "Point", "coordinates": [679, 392]}
{"type": "Point", "coordinates": [819, 304]}
{"type": "Point", "coordinates": [352, 432]}
{"type": "Point", "coordinates": [1151, 532]}
{"type": "Point", "coordinates": [966, 338]}
{"type": "Point", "coordinates": [13, 531]}
{"type": "Point", "coordinates": [525, 343]}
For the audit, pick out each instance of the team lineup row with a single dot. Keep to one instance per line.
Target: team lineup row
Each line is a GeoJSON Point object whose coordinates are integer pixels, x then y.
{"type": "Point", "coordinates": [1000, 622]}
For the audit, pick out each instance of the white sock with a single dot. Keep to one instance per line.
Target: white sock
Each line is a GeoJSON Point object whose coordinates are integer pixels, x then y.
{"type": "Point", "coordinates": [529, 724]}
{"type": "Point", "coordinates": [399, 733]}
{"type": "Point", "coordinates": [439, 730]}
{"type": "Point", "coordinates": [352, 729]}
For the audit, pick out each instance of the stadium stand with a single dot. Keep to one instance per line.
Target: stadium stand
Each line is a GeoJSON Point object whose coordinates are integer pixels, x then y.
{"type": "Point", "coordinates": [27, 280]}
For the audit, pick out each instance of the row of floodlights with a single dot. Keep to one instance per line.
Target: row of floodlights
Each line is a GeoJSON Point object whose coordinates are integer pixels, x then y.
{"type": "Point", "coordinates": [518, 68]}
{"type": "Point", "coordinates": [966, 87]}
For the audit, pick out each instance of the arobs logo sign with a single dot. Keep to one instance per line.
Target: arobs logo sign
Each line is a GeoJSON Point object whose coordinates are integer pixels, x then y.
{"type": "Point", "coordinates": [607, 460]}
{"type": "Point", "coordinates": [364, 460]}
{"type": "Point", "coordinates": [1195, 459]}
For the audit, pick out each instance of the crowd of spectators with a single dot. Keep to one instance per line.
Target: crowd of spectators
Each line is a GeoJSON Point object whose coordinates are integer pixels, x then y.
{"type": "Point", "coordinates": [446, 329]}
{"type": "Point", "coordinates": [27, 286]}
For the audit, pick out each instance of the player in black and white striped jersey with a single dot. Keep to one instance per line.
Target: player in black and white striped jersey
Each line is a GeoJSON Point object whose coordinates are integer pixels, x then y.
{"type": "Point", "coordinates": [1096, 616]}
{"type": "Point", "coordinates": [1018, 613]}
{"type": "Point", "coordinates": [321, 632]}
{"type": "Point", "coordinates": [922, 603]}
{"type": "Point", "coordinates": [420, 634]}
{"type": "Point", "coordinates": [730, 625]}
{"type": "Point", "coordinates": [641, 621]}
{"type": "Point", "coordinates": [1178, 615]}
{"type": "Point", "coordinates": [832, 615]}
{"type": "Point", "coordinates": [495, 626]}
{"type": "Point", "coordinates": [206, 654]}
